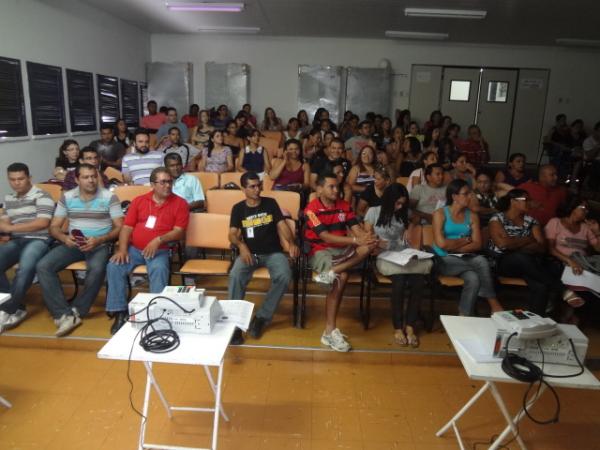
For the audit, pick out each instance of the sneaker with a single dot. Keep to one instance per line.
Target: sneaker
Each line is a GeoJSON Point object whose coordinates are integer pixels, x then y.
{"type": "Point", "coordinates": [80, 274]}
{"type": "Point", "coordinates": [66, 324]}
{"type": "Point", "coordinates": [257, 327]}
{"type": "Point", "coordinates": [336, 340]}
{"type": "Point", "coordinates": [326, 277]}
{"type": "Point", "coordinates": [189, 281]}
{"type": "Point", "coordinates": [3, 317]}
{"type": "Point", "coordinates": [13, 320]}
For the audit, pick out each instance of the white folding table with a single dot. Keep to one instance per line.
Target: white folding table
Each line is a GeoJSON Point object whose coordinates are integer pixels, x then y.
{"type": "Point", "coordinates": [194, 349]}
{"type": "Point", "coordinates": [484, 330]}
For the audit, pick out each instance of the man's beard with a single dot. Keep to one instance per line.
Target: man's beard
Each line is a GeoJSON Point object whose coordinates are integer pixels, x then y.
{"type": "Point", "coordinates": [143, 150]}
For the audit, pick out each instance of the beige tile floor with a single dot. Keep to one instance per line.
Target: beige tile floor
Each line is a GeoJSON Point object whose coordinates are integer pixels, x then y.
{"type": "Point", "coordinates": [69, 399]}
{"type": "Point", "coordinates": [281, 333]}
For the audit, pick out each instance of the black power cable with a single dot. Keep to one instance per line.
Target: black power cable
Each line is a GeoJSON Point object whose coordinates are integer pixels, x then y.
{"type": "Point", "coordinates": [154, 340]}
{"type": "Point", "coordinates": [524, 370]}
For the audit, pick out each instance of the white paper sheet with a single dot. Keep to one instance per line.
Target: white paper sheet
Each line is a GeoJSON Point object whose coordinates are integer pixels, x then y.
{"type": "Point", "coordinates": [477, 350]}
{"type": "Point", "coordinates": [238, 312]}
{"type": "Point", "coordinates": [403, 257]}
{"type": "Point", "coordinates": [587, 279]}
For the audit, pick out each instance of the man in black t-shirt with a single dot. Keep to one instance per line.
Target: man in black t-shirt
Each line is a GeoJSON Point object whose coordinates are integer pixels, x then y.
{"type": "Point", "coordinates": [324, 163]}
{"type": "Point", "coordinates": [258, 228]}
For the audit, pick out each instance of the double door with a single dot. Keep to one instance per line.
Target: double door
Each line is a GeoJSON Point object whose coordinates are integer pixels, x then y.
{"type": "Point", "coordinates": [507, 104]}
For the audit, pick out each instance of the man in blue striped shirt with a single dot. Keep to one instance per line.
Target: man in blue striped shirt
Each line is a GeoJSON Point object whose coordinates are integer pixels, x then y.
{"type": "Point", "coordinates": [137, 167]}
{"type": "Point", "coordinates": [24, 240]}
{"type": "Point", "coordinates": [95, 219]}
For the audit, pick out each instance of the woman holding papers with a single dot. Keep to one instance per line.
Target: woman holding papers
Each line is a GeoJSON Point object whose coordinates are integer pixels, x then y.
{"type": "Point", "coordinates": [518, 245]}
{"type": "Point", "coordinates": [456, 236]}
{"type": "Point", "coordinates": [390, 223]}
{"type": "Point", "coordinates": [570, 237]}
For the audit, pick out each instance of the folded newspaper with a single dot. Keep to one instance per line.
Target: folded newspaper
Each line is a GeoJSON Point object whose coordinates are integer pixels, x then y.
{"type": "Point", "coordinates": [403, 257]}
{"type": "Point", "coordinates": [238, 312]}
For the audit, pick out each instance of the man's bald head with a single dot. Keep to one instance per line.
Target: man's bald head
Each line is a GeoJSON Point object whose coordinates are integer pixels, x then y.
{"type": "Point", "coordinates": [547, 175]}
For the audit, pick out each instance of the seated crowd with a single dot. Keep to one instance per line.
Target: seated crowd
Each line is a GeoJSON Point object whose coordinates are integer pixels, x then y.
{"type": "Point", "coordinates": [366, 187]}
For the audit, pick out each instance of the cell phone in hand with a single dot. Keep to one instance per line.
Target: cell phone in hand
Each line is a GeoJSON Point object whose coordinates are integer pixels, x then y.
{"type": "Point", "coordinates": [79, 237]}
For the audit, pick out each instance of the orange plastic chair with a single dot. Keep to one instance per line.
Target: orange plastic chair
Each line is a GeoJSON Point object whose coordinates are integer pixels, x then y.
{"type": "Point", "coordinates": [230, 177]}
{"type": "Point", "coordinates": [221, 201]}
{"type": "Point", "coordinates": [128, 193]}
{"type": "Point", "coordinates": [287, 201]}
{"type": "Point", "coordinates": [267, 183]}
{"type": "Point", "coordinates": [275, 135]}
{"type": "Point", "coordinates": [402, 180]}
{"type": "Point", "coordinates": [53, 190]}
{"type": "Point", "coordinates": [270, 145]}
{"type": "Point", "coordinates": [112, 173]}
{"type": "Point", "coordinates": [207, 231]}
{"type": "Point", "coordinates": [208, 180]}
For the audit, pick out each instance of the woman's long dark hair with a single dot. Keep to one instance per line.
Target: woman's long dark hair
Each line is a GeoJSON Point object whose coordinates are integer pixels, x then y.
{"type": "Point", "coordinates": [62, 160]}
{"type": "Point", "coordinates": [454, 188]}
{"type": "Point", "coordinates": [388, 205]}
{"type": "Point", "coordinates": [504, 202]}
{"type": "Point", "coordinates": [211, 143]}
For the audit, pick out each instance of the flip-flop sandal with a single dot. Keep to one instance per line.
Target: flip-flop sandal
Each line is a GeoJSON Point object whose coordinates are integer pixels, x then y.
{"type": "Point", "coordinates": [572, 299]}
{"type": "Point", "coordinates": [400, 338]}
{"type": "Point", "coordinates": [413, 340]}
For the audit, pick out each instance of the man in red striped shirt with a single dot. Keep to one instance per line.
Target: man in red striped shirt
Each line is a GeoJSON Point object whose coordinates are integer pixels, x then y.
{"type": "Point", "coordinates": [333, 251]}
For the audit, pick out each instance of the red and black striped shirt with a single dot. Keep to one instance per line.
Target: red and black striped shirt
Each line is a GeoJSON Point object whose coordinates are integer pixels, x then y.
{"type": "Point", "coordinates": [335, 220]}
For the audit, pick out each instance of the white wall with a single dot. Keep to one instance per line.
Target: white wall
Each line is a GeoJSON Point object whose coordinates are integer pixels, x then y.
{"type": "Point", "coordinates": [273, 62]}
{"type": "Point", "coordinates": [83, 38]}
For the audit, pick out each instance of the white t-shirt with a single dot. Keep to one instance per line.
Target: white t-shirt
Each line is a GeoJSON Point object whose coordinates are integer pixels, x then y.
{"type": "Point", "coordinates": [415, 173]}
{"type": "Point", "coordinates": [394, 233]}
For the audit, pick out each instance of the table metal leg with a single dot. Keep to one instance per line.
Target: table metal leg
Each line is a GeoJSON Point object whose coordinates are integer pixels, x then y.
{"type": "Point", "coordinates": [511, 424]}
{"type": "Point", "coordinates": [517, 418]}
{"type": "Point", "coordinates": [148, 366]}
{"type": "Point", "coordinates": [5, 402]}
{"type": "Point", "coordinates": [217, 406]}
{"type": "Point", "coordinates": [145, 408]}
{"type": "Point", "coordinates": [462, 411]}
{"type": "Point", "coordinates": [213, 386]}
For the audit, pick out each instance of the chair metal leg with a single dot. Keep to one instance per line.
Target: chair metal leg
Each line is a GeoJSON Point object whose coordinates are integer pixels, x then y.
{"type": "Point", "coordinates": [302, 315]}
{"type": "Point", "coordinates": [367, 311]}
{"type": "Point", "coordinates": [76, 284]}
{"type": "Point", "coordinates": [295, 293]}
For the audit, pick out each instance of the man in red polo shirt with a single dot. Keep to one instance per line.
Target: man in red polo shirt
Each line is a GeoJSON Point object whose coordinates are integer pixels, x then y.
{"type": "Point", "coordinates": [333, 251]}
{"type": "Point", "coordinates": [153, 220]}
{"type": "Point", "coordinates": [545, 195]}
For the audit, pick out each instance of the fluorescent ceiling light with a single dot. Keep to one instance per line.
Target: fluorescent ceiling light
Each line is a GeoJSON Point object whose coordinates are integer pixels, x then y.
{"type": "Point", "coordinates": [417, 35]}
{"type": "Point", "coordinates": [225, 30]}
{"type": "Point", "coordinates": [445, 13]}
{"type": "Point", "coordinates": [204, 7]}
{"type": "Point", "coordinates": [578, 42]}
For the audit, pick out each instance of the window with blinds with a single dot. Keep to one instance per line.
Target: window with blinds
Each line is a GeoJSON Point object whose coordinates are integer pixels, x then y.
{"type": "Point", "coordinates": [46, 98]}
{"type": "Point", "coordinates": [130, 101]}
{"type": "Point", "coordinates": [108, 98]}
{"type": "Point", "coordinates": [82, 110]}
{"type": "Point", "coordinates": [12, 103]}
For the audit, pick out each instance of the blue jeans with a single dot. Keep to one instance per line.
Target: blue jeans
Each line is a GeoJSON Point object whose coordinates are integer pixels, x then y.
{"type": "Point", "coordinates": [475, 272]}
{"type": "Point", "coordinates": [56, 260]}
{"type": "Point", "coordinates": [158, 276]}
{"type": "Point", "coordinates": [26, 252]}
{"type": "Point", "coordinates": [279, 270]}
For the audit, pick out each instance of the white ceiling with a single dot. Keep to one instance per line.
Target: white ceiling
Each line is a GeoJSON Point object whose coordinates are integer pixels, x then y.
{"type": "Point", "coordinates": [521, 22]}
